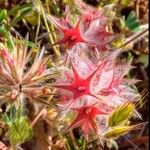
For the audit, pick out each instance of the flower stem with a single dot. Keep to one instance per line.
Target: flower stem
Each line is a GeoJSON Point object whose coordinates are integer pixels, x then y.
{"type": "Point", "coordinates": [57, 52]}
{"type": "Point", "coordinates": [134, 38]}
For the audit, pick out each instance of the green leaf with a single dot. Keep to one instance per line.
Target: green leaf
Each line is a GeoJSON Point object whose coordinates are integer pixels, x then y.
{"type": "Point", "coordinates": [31, 17]}
{"type": "Point", "coordinates": [143, 58]}
{"type": "Point", "coordinates": [112, 1]}
{"type": "Point", "coordinates": [132, 22]}
{"type": "Point", "coordinates": [19, 16]}
{"type": "Point", "coordinates": [18, 8]}
{"type": "Point", "coordinates": [125, 2]}
{"type": "Point", "coordinates": [12, 115]}
{"type": "Point", "coordinates": [19, 12]}
{"type": "Point", "coordinates": [6, 119]}
{"type": "Point", "coordinates": [117, 131]}
{"type": "Point", "coordinates": [8, 39]}
{"type": "Point", "coordinates": [19, 131]}
{"type": "Point", "coordinates": [121, 115]}
{"type": "Point", "coordinates": [28, 43]}
{"type": "Point", "coordinates": [122, 22]}
{"type": "Point", "coordinates": [3, 14]}
{"type": "Point", "coordinates": [3, 31]}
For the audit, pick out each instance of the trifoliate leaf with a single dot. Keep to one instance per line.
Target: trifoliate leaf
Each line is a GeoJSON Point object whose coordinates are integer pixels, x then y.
{"type": "Point", "coordinates": [121, 115]}
{"type": "Point", "coordinates": [132, 22]}
{"type": "Point", "coordinates": [19, 131]}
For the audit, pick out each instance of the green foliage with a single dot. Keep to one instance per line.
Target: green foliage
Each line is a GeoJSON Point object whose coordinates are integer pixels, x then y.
{"type": "Point", "coordinates": [3, 29]}
{"type": "Point", "coordinates": [112, 1]}
{"type": "Point", "coordinates": [121, 115]}
{"type": "Point", "coordinates": [143, 59]}
{"type": "Point", "coordinates": [122, 2]}
{"type": "Point", "coordinates": [31, 17]}
{"type": "Point", "coordinates": [118, 42]}
{"type": "Point", "coordinates": [19, 129]}
{"type": "Point", "coordinates": [125, 2]}
{"type": "Point", "coordinates": [19, 12]}
{"type": "Point", "coordinates": [3, 14]}
{"type": "Point", "coordinates": [7, 37]}
{"type": "Point", "coordinates": [117, 131]}
{"type": "Point", "coordinates": [26, 42]}
{"type": "Point", "coordinates": [132, 22]}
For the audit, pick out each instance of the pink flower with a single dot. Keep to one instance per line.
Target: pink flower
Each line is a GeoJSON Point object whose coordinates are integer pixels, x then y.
{"type": "Point", "coordinates": [90, 13]}
{"type": "Point", "coordinates": [81, 84]}
{"type": "Point", "coordinates": [86, 118]}
{"type": "Point", "coordinates": [115, 87]}
{"type": "Point", "coordinates": [88, 30]}
{"type": "Point", "coordinates": [97, 89]}
{"type": "Point", "coordinates": [103, 82]}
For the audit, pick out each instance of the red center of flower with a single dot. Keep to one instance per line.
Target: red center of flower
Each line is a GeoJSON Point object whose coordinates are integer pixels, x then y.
{"type": "Point", "coordinates": [72, 36]}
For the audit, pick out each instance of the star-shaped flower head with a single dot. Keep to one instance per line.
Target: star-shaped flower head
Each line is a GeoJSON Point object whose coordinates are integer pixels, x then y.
{"type": "Point", "coordinates": [71, 33]}
{"type": "Point", "coordinates": [104, 82]}
{"type": "Point", "coordinates": [81, 80]}
{"type": "Point", "coordinates": [113, 84]}
{"type": "Point", "coordinates": [91, 32]}
{"type": "Point", "coordinates": [86, 118]}
{"type": "Point", "coordinates": [18, 77]}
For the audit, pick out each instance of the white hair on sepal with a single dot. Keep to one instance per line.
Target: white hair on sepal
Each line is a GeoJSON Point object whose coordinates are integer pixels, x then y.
{"type": "Point", "coordinates": [129, 82]}
{"type": "Point", "coordinates": [137, 115]}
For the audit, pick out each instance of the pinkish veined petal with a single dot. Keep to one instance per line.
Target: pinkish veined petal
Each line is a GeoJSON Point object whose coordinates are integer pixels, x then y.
{"type": "Point", "coordinates": [83, 66]}
{"type": "Point", "coordinates": [106, 79]}
{"type": "Point", "coordinates": [60, 23]}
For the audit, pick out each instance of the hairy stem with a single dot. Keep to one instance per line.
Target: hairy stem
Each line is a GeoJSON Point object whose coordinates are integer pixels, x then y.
{"type": "Point", "coordinates": [134, 38]}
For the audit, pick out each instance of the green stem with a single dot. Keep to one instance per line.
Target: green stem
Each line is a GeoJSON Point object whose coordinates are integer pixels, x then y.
{"type": "Point", "coordinates": [51, 26]}
{"type": "Point", "coordinates": [84, 144]}
{"type": "Point", "coordinates": [38, 28]}
{"type": "Point", "coordinates": [134, 38]}
{"type": "Point", "coordinates": [67, 144]}
{"type": "Point", "coordinates": [56, 51]}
